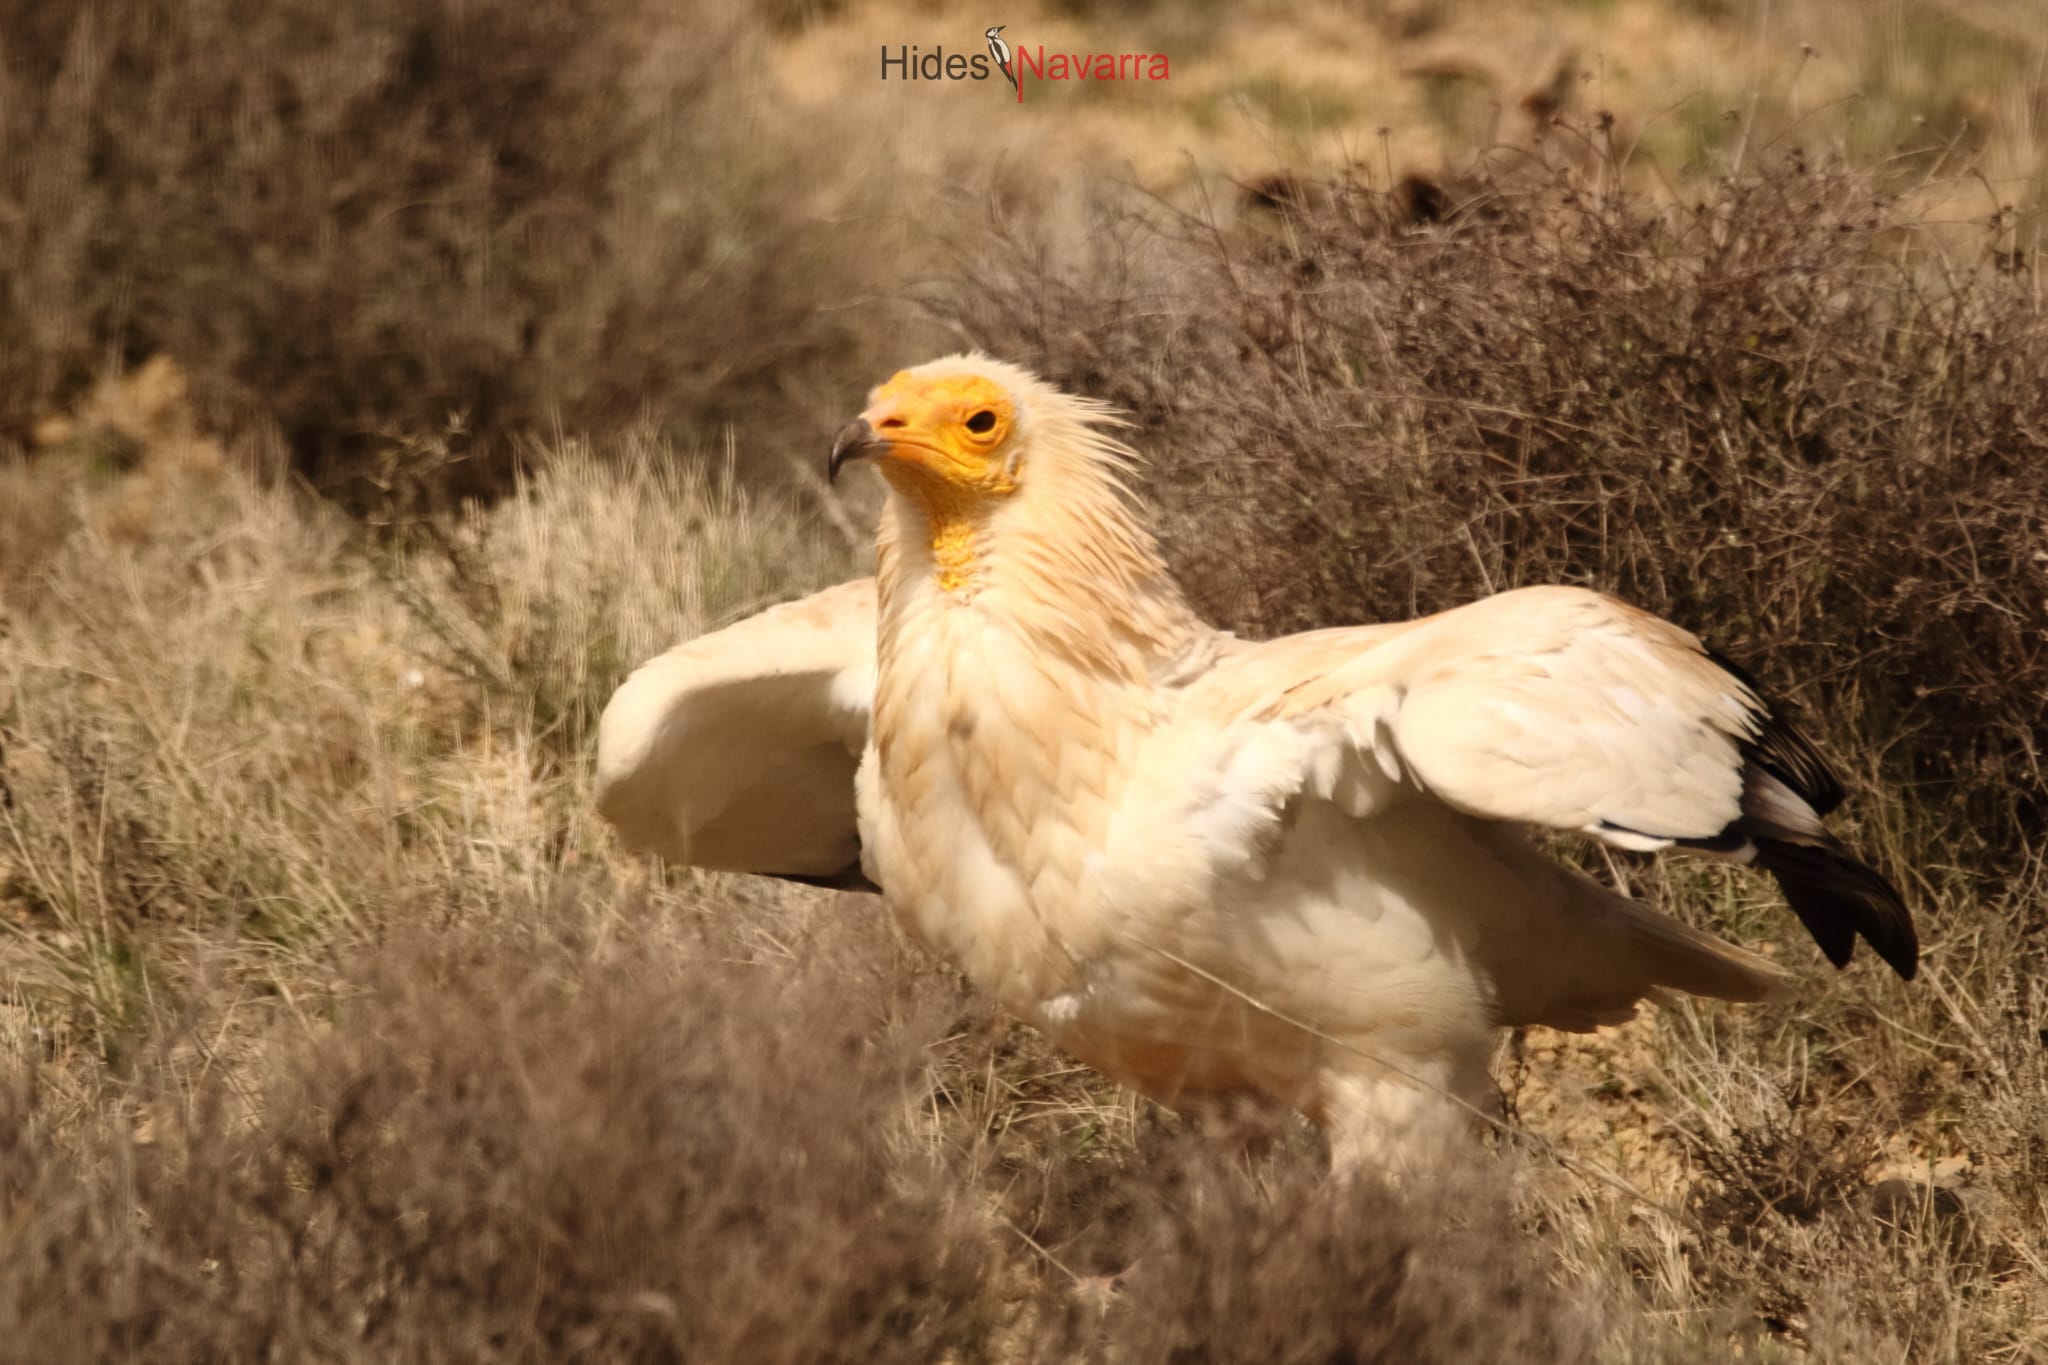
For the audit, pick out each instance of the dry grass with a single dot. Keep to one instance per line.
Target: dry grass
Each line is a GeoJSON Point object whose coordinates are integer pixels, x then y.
{"type": "Point", "coordinates": [585, 1137]}
{"type": "Point", "coordinates": [337, 1026]}
{"type": "Point", "coordinates": [1917, 86]}
{"type": "Point", "coordinates": [340, 1031]}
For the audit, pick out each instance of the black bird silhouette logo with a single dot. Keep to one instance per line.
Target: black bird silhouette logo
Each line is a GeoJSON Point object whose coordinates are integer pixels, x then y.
{"type": "Point", "coordinates": [1000, 50]}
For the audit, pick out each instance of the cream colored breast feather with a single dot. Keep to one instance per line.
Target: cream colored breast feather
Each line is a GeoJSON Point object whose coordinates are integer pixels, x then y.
{"type": "Point", "coordinates": [1297, 869]}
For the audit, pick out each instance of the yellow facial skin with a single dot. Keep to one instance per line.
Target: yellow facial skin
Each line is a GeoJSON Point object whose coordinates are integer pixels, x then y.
{"type": "Point", "coordinates": [951, 431]}
{"type": "Point", "coordinates": [947, 441]}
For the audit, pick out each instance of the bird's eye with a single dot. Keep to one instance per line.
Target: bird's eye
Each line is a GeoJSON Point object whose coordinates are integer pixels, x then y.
{"type": "Point", "coordinates": [982, 422]}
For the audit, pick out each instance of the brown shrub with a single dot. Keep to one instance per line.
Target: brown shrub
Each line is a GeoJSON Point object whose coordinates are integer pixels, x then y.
{"type": "Point", "coordinates": [400, 234]}
{"type": "Point", "coordinates": [528, 1145]}
{"type": "Point", "coordinates": [1773, 413]}
{"type": "Point", "coordinates": [562, 1134]}
{"type": "Point", "coordinates": [1305, 1274]}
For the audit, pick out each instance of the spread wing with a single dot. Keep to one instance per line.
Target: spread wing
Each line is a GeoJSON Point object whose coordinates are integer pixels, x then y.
{"type": "Point", "coordinates": [1565, 708]}
{"type": "Point", "coordinates": [737, 750]}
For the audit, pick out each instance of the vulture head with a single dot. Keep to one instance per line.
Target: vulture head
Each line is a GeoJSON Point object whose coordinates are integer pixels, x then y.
{"type": "Point", "coordinates": [941, 429]}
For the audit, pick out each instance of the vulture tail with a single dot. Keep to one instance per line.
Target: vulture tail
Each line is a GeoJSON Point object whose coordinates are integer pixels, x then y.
{"type": "Point", "coordinates": [1838, 897]}
{"type": "Point", "coordinates": [1679, 957]}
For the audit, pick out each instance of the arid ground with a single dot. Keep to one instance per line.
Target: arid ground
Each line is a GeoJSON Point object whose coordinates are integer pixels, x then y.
{"type": "Point", "coordinates": [380, 382]}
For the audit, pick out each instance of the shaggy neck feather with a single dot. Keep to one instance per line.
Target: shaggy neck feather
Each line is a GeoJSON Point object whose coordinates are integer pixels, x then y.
{"type": "Point", "coordinates": [1062, 558]}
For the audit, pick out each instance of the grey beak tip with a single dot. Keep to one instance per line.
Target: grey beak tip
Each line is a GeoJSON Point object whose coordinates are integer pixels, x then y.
{"type": "Point", "coordinates": [852, 442]}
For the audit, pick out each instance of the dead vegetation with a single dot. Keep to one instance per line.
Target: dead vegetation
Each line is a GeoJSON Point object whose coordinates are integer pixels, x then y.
{"type": "Point", "coordinates": [336, 1028]}
{"type": "Point", "coordinates": [1771, 412]}
{"type": "Point", "coordinates": [394, 238]}
{"type": "Point", "coordinates": [590, 1134]}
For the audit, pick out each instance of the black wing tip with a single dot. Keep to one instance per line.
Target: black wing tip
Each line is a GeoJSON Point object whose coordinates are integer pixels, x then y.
{"type": "Point", "coordinates": [1790, 757]}
{"type": "Point", "coordinates": [1781, 750]}
{"type": "Point", "coordinates": [1837, 897]}
{"type": "Point", "coordinates": [1840, 899]}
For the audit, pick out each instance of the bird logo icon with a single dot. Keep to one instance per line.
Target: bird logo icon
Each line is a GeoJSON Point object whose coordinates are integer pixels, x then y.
{"type": "Point", "coordinates": [1000, 50]}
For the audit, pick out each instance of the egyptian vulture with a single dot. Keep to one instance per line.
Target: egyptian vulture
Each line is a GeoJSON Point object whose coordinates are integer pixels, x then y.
{"type": "Point", "coordinates": [1297, 870]}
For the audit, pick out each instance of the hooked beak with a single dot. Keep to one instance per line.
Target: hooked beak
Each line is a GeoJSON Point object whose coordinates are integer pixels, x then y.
{"type": "Point", "coordinates": [855, 441]}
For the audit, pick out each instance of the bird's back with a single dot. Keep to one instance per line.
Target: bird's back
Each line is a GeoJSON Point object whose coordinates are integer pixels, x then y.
{"type": "Point", "coordinates": [1269, 937]}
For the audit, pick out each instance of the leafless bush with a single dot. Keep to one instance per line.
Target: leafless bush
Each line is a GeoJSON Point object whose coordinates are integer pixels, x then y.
{"type": "Point", "coordinates": [400, 234]}
{"type": "Point", "coordinates": [566, 1134]}
{"type": "Point", "coordinates": [535, 1145]}
{"type": "Point", "coordinates": [1305, 1273]}
{"type": "Point", "coordinates": [1771, 411]}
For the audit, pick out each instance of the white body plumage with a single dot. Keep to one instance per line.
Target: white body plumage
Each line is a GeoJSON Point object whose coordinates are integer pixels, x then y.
{"type": "Point", "coordinates": [1294, 870]}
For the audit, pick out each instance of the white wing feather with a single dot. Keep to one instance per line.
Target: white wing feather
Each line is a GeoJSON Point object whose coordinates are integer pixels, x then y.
{"type": "Point", "coordinates": [737, 750]}
{"type": "Point", "coordinates": [1547, 706]}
